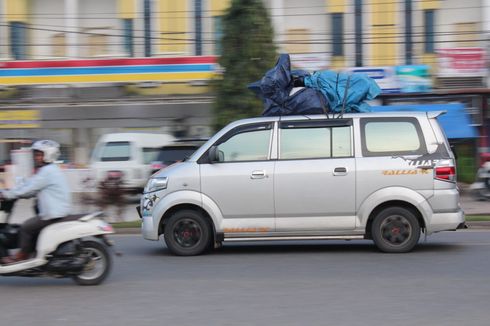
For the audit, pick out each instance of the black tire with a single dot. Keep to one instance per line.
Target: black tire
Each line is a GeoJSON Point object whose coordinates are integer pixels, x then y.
{"type": "Point", "coordinates": [395, 230]}
{"type": "Point", "coordinates": [99, 266]}
{"type": "Point", "coordinates": [187, 233]}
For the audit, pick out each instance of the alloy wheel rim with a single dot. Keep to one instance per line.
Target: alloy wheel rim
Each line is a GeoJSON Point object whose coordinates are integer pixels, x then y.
{"type": "Point", "coordinates": [187, 233]}
{"type": "Point", "coordinates": [396, 230]}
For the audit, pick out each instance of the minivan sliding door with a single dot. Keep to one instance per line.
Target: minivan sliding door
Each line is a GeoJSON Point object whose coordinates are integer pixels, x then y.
{"type": "Point", "coordinates": [314, 179]}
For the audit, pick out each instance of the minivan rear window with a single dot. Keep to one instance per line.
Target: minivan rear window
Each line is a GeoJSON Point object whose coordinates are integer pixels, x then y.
{"type": "Point", "coordinates": [116, 151]}
{"type": "Point", "coordinates": [392, 136]}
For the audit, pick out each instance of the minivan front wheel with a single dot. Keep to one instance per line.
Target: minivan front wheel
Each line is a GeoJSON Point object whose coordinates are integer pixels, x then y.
{"type": "Point", "coordinates": [187, 233]}
{"type": "Point", "coordinates": [395, 230]}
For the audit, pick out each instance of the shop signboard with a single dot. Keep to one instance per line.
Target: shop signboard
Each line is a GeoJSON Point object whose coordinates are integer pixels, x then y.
{"type": "Point", "coordinates": [461, 62]}
{"type": "Point", "coordinates": [19, 119]}
{"type": "Point", "coordinates": [385, 77]}
{"type": "Point", "coordinates": [414, 78]}
{"type": "Point", "coordinates": [398, 79]}
{"type": "Point", "coordinates": [114, 70]}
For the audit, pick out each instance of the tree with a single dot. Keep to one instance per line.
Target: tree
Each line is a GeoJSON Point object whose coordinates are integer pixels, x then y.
{"type": "Point", "coordinates": [248, 52]}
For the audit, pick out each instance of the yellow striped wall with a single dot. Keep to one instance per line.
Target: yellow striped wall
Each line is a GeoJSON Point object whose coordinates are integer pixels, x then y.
{"type": "Point", "coordinates": [337, 6]}
{"type": "Point", "coordinates": [383, 32]}
{"type": "Point", "coordinates": [219, 6]}
{"type": "Point", "coordinates": [429, 58]}
{"type": "Point", "coordinates": [126, 9]}
{"type": "Point", "coordinates": [430, 4]}
{"type": "Point", "coordinates": [16, 10]}
{"type": "Point", "coordinates": [173, 21]}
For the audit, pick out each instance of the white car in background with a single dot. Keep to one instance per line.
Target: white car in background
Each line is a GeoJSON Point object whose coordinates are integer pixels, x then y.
{"type": "Point", "coordinates": [129, 153]}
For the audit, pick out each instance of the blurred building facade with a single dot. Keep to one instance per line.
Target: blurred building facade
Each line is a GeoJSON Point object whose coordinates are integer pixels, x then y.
{"type": "Point", "coordinates": [72, 70]}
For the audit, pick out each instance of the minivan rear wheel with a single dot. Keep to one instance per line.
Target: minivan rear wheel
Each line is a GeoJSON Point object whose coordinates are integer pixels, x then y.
{"type": "Point", "coordinates": [187, 233]}
{"type": "Point", "coordinates": [395, 230]}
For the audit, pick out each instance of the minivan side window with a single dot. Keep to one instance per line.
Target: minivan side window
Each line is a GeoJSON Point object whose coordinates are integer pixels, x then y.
{"type": "Point", "coordinates": [250, 144]}
{"type": "Point", "coordinates": [115, 151]}
{"type": "Point", "coordinates": [318, 142]}
{"type": "Point", "coordinates": [391, 136]}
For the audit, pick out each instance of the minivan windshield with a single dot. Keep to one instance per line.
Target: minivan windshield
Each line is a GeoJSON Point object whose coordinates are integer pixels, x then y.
{"type": "Point", "coordinates": [115, 151]}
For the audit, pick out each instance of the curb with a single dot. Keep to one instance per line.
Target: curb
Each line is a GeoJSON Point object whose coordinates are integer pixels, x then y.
{"type": "Point", "coordinates": [127, 231]}
{"type": "Point", "coordinates": [478, 225]}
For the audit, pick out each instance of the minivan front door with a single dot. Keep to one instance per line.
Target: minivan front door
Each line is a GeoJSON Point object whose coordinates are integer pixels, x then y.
{"type": "Point", "coordinates": [314, 178]}
{"type": "Point", "coordinates": [240, 181]}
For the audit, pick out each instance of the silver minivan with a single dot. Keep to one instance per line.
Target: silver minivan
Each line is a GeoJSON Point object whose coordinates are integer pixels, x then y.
{"type": "Point", "coordinates": [381, 176]}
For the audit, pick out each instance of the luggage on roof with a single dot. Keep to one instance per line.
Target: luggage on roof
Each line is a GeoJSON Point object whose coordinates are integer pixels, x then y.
{"type": "Point", "coordinates": [323, 91]}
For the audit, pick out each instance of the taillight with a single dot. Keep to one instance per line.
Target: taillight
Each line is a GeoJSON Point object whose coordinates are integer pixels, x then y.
{"type": "Point", "coordinates": [105, 227]}
{"type": "Point", "coordinates": [445, 173]}
{"type": "Point", "coordinates": [156, 166]}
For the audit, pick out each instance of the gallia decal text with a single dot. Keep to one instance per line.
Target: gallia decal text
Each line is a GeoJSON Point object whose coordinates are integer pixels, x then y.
{"type": "Point", "coordinates": [403, 172]}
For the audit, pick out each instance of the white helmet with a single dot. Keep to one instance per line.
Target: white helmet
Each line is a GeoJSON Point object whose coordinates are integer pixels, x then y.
{"type": "Point", "coordinates": [51, 149]}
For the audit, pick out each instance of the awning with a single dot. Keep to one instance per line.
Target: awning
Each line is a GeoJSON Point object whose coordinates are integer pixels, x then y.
{"type": "Point", "coordinates": [456, 122]}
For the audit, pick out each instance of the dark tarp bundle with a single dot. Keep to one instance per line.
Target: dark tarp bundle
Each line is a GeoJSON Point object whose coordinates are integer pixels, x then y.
{"type": "Point", "coordinates": [276, 86]}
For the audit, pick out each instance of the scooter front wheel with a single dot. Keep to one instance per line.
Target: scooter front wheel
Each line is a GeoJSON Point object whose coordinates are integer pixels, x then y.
{"type": "Point", "coordinates": [98, 266]}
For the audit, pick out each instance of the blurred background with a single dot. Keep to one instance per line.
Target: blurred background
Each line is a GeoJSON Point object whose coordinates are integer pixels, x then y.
{"type": "Point", "coordinates": [74, 70]}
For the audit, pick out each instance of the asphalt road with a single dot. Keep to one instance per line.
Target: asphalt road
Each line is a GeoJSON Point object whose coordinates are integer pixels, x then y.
{"type": "Point", "coordinates": [445, 281]}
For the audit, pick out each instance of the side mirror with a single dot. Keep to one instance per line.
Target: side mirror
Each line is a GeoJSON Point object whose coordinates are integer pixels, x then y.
{"type": "Point", "coordinates": [213, 154]}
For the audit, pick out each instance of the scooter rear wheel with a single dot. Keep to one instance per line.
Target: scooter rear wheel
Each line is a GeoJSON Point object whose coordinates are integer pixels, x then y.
{"type": "Point", "coordinates": [99, 265]}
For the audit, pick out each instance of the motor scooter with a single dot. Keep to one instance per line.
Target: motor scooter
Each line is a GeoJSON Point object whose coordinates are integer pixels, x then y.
{"type": "Point", "coordinates": [480, 189]}
{"type": "Point", "coordinates": [75, 247]}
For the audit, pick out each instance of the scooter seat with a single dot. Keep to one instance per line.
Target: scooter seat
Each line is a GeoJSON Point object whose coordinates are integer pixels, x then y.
{"type": "Point", "coordinates": [74, 217]}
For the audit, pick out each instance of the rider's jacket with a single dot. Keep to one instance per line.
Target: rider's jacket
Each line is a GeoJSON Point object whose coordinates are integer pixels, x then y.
{"type": "Point", "coordinates": [51, 188]}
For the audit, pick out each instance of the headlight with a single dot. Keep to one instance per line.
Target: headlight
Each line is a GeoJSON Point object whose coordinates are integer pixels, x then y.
{"type": "Point", "coordinates": [155, 184]}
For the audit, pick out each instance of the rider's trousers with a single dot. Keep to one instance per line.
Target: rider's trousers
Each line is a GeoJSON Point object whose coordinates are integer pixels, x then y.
{"type": "Point", "coordinates": [29, 231]}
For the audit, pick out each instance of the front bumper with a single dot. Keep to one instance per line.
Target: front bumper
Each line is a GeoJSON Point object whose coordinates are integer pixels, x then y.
{"type": "Point", "coordinates": [148, 229]}
{"type": "Point", "coordinates": [133, 190]}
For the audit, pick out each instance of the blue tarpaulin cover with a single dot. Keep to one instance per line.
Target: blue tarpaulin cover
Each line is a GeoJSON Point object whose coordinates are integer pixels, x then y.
{"type": "Point", "coordinates": [333, 86]}
{"type": "Point", "coordinates": [456, 122]}
{"type": "Point", "coordinates": [325, 91]}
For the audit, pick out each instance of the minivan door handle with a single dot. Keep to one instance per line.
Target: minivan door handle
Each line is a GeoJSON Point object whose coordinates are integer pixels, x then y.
{"type": "Point", "coordinates": [340, 171]}
{"type": "Point", "coordinates": [258, 174]}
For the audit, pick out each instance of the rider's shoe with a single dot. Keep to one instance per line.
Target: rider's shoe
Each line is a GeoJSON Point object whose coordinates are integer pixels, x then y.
{"type": "Point", "coordinates": [18, 257]}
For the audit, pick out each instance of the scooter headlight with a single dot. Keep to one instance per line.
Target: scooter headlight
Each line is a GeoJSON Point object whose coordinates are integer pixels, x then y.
{"type": "Point", "coordinates": [154, 184]}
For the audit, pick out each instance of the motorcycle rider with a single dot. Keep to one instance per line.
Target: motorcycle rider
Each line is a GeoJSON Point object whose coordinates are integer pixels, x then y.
{"type": "Point", "coordinates": [53, 194]}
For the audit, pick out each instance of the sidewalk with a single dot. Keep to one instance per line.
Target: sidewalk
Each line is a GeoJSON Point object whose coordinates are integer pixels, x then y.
{"type": "Point", "coordinates": [471, 205]}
